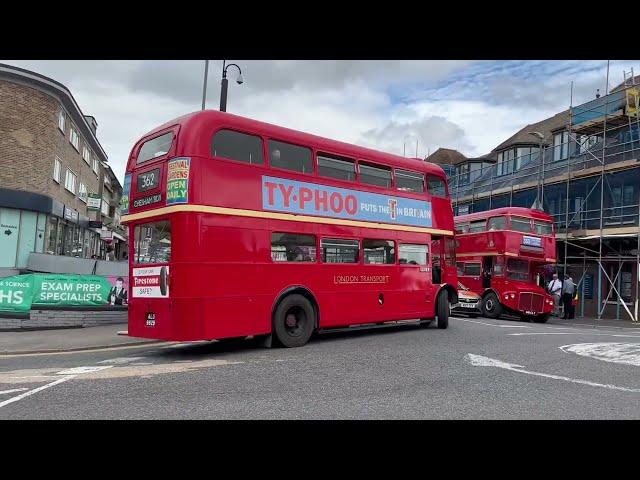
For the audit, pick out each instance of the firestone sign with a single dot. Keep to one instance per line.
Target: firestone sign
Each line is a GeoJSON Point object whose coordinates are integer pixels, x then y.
{"type": "Point", "coordinates": [282, 195]}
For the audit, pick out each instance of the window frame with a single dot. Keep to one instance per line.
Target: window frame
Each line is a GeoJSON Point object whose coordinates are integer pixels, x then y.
{"type": "Point", "coordinates": [338, 158]}
{"type": "Point", "coordinates": [400, 172]}
{"type": "Point", "coordinates": [444, 183]}
{"type": "Point", "coordinates": [286, 142]}
{"type": "Point", "coordinates": [407, 244]}
{"type": "Point", "coordinates": [81, 190]}
{"type": "Point", "coordinates": [321, 257]}
{"type": "Point", "coordinates": [87, 151]}
{"type": "Point", "coordinates": [379, 166]}
{"type": "Point", "coordinates": [263, 146]}
{"type": "Point", "coordinates": [62, 118]}
{"type": "Point", "coordinates": [395, 251]}
{"type": "Point", "coordinates": [75, 181]}
{"type": "Point", "coordinates": [57, 166]}
{"type": "Point", "coordinates": [293, 262]}
{"type": "Point", "coordinates": [172, 130]}
{"type": "Point", "coordinates": [73, 134]}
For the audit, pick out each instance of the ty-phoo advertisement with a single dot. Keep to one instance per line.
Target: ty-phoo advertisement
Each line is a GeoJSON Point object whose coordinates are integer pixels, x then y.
{"type": "Point", "coordinates": [150, 282]}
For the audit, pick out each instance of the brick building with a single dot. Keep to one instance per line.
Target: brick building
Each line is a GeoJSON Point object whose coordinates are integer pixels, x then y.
{"type": "Point", "coordinates": [53, 172]}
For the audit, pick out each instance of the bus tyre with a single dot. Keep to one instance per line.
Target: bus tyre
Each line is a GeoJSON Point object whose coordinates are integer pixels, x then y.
{"type": "Point", "coordinates": [163, 281]}
{"type": "Point", "coordinates": [541, 318]}
{"type": "Point", "coordinates": [443, 310]}
{"type": "Point", "coordinates": [294, 321]}
{"type": "Point", "coordinates": [491, 306]}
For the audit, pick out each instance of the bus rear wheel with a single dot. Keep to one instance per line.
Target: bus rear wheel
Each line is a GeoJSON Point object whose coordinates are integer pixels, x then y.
{"type": "Point", "coordinates": [442, 310]}
{"type": "Point", "coordinates": [491, 306]}
{"type": "Point", "coordinates": [294, 321]}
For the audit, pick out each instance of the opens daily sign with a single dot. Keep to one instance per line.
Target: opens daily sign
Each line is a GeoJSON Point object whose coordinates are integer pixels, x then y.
{"type": "Point", "coordinates": [19, 293]}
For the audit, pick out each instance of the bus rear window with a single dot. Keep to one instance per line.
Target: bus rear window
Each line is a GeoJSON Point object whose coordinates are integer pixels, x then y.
{"type": "Point", "coordinates": [521, 224]}
{"type": "Point", "coordinates": [154, 148]}
{"type": "Point", "coordinates": [153, 242]}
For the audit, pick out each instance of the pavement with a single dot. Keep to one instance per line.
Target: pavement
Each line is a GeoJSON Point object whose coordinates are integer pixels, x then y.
{"type": "Point", "coordinates": [66, 339]}
{"type": "Point", "coordinates": [476, 369]}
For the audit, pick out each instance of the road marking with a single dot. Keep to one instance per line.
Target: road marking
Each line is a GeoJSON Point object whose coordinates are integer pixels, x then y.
{"type": "Point", "coordinates": [81, 370]}
{"type": "Point", "coordinates": [13, 390]}
{"type": "Point", "coordinates": [493, 324]}
{"type": "Point", "coordinates": [480, 361]}
{"type": "Point", "coordinates": [88, 350]}
{"type": "Point", "coordinates": [625, 353]}
{"type": "Point", "coordinates": [121, 360]}
{"type": "Point", "coordinates": [576, 333]}
{"type": "Point", "coordinates": [36, 390]}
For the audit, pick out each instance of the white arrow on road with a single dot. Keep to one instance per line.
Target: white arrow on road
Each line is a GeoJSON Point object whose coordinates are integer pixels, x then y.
{"type": "Point", "coordinates": [480, 361]}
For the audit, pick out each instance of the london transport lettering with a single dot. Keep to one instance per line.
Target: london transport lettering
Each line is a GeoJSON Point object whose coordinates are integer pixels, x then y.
{"type": "Point", "coordinates": [339, 279]}
{"type": "Point", "coordinates": [279, 194]}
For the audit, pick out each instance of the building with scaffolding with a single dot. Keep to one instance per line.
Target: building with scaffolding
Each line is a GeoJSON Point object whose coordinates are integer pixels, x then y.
{"type": "Point", "coordinates": [587, 177]}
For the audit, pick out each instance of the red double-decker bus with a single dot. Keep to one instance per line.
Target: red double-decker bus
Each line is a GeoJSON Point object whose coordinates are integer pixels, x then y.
{"type": "Point", "coordinates": [502, 255]}
{"type": "Point", "coordinates": [241, 228]}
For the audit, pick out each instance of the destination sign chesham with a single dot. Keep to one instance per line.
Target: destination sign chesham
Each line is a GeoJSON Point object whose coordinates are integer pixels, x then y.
{"type": "Point", "coordinates": [282, 195]}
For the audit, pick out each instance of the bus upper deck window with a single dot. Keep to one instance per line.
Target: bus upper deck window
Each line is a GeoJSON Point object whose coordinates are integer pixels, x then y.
{"type": "Point", "coordinates": [436, 186]}
{"type": "Point", "coordinates": [237, 146]}
{"type": "Point", "coordinates": [377, 175]}
{"type": "Point", "coordinates": [336, 167]}
{"type": "Point", "coordinates": [290, 157]}
{"type": "Point", "coordinates": [154, 148]}
{"type": "Point", "coordinates": [543, 228]}
{"type": "Point", "coordinates": [521, 224]}
{"type": "Point", "coordinates": [497, 223]}
{"type": "Point", "coordinates": [409, 181]}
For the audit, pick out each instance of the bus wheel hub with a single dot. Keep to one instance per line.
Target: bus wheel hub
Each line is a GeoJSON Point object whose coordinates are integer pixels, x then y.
{"type": "Point", "coordinates": [291, 320]}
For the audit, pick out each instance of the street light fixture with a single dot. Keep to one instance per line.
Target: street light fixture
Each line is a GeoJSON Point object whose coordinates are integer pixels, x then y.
{"type": "Point", "coordinates": [225, 84]}
{"type": "Point", "coordinates": [540, 192]}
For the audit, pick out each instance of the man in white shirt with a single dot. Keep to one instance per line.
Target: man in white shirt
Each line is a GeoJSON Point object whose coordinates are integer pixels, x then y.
{"type": "Point", "coordinates": [555, 289]}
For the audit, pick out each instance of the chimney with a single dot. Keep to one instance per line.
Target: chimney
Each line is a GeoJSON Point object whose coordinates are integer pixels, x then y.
{"type": "Point", "coordinates": [92, 123]}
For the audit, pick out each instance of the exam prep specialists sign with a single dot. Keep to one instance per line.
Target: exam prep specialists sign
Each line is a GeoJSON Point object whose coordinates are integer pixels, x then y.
{"type": "Point", "coordinates": [20, 292]}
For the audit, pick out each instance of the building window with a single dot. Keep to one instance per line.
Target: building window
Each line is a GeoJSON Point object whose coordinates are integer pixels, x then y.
{"type": "Point", "coordinates": [237, 146]}
{"type": "Point", "coordinates": [291, 247]}
{"type": "Point", "coordinates": [107, 180]}
{"type": "Point", "coordinates": [290, 157]}
{"type": "Point", "coordinates": [95, 165]}
{"type": "Point", "coordinates": [336, 167]}
{"type": "Point", "coordinates": [560, 146]}
{"type": "Point", "coordinates": [61, 120]}
{"type": "Point", "coordinates": [57, 167]}
{"type": "Point", "coordinates": [82, 192]}
{"type": "Point", "coordinates": [70, 181]}
{"type": "Point", "coordinates": [105, 206]}
{"type": "Point", "coordinates": [86, 155]}
{"type": "Point", "coordinates": [74, 139]}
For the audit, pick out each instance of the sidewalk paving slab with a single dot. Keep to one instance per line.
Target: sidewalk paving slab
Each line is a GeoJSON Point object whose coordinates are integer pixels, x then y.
{"type": "Point", "coordinates": [68, 339]}
{"type": "Point", "coordinates": [594, 323]}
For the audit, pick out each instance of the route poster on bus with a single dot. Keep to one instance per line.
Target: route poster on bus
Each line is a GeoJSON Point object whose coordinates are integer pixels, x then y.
{"type": "Point", "coordinates": [178, 181]}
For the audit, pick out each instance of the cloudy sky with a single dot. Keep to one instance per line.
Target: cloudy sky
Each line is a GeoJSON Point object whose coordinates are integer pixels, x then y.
{"type": "Point", "coordinates": [471, 106]}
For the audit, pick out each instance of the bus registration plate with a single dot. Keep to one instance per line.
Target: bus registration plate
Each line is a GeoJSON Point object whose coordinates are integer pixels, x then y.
{"type": "Point", "coordinates": [151, 319]}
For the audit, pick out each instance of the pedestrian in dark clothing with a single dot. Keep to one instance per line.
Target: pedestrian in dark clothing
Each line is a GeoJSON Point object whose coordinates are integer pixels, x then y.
{"type": "Point", "coordinates": [568, 292]}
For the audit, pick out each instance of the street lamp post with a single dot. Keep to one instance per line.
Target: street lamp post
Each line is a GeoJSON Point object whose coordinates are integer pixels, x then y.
{"type": "Point", "coordinates": [204, 85]}
{"type": "Point", "coordinates": [225, 84]}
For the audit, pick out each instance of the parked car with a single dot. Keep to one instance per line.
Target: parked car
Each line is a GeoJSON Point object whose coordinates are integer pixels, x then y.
{"type": "Point", "coordinates": [468, 302]}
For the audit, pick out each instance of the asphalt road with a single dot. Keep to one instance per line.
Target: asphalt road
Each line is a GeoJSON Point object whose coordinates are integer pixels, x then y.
{"type": "Point", "coordinates": [475, 369]}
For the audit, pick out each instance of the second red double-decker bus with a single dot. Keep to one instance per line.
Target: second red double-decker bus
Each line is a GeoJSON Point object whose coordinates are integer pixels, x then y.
{"type": "Point", "coordinates": [502, 255]}
{"type": "Point", "coordinates": [242, 228]}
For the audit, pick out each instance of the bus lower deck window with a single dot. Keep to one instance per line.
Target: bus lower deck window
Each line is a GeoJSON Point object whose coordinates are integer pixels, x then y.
{"type": "Point", "coordinates": [411, 254]}
{"type": "Point", "coordinates": [335, 250]}
{"type": "Point", "coordinates": [292, 247]}
{"type": "Point", "coordinates": [379, 251]}
{"type": "Point", "coordinates": [152, 242]}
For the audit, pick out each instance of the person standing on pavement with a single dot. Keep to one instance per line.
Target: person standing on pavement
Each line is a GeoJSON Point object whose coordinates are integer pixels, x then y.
{"type": "Point", "coordinates": [555, 290]}
{"type": "Point", "coordinates": [568, 292]}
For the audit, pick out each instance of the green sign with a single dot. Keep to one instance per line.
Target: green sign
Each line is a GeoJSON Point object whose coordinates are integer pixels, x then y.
{"type": "Point", "coordinates": [20, 292]}
{"type": "Point", "coordinates": [93, 201]}
{"type": "Point", "coordinates": [126, 191]}
{"type": "Point", "coordinates": [16, 293]}
{"type": "Point", "coordinates": [178, 181]}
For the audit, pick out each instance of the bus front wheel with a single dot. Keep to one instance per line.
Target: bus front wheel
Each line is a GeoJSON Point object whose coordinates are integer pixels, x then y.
{"type": "Point", "coordinates": [294, 321]}
{"type": "Point", "coordinates": [491, 306]}
{"type": "Point", "coordinates": [443, 310]}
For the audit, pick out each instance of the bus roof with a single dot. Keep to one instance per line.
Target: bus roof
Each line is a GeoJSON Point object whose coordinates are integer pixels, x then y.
{"type": "Point", "coordinates": [519, 211]}
{"type": "Point", "coordinates": [205, 119]}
